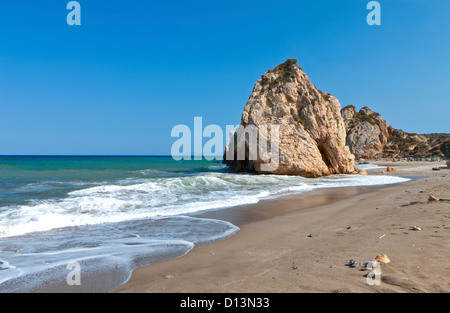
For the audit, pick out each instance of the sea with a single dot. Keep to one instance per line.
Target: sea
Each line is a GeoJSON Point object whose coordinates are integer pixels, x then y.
{"type": "Point", "coordinates": [106, 216]}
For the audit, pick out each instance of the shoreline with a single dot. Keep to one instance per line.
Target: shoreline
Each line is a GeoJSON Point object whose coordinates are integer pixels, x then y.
{"type": "Point", "coordinates": [265, 209]}
{"type": "Point", "coordinates": [359, 224]}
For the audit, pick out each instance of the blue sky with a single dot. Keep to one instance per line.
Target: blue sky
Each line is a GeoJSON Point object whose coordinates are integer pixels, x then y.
{"type": "Point", "coordinates": [118, 83]}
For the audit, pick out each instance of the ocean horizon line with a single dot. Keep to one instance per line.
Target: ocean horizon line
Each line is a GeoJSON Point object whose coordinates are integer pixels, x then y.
{"type": "Point", "coordinates": [86, 155]}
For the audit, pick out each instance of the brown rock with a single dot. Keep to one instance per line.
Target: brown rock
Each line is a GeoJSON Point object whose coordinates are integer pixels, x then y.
{"type": "Point", "coordinates": [390, 169]}
{"type": "Point", "coordinates": [369, 137]}
{"type": "Point", "coordinates": [361, 172]}
{"type": "Point", "coordinates": [367, 132]}
{"type": "Point", "coordinates": [383, 259]}
{"type": "Point", "coordinates": [432, 199]}
{"type": "Point", "coordinates": [311, 129]}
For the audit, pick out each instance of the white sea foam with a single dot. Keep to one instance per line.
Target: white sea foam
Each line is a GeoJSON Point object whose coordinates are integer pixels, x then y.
{"type": "Point", "coordinates": [107, 253]}
{"type": "Point", "coordinates": [167, 196]}
{"type": "Point", "coordinates": [368, 166]}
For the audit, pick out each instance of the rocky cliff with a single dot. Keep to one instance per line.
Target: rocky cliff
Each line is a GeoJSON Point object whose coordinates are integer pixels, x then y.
{"type": "Point", "coordinates": [367, 132]}
{"type": "Point", "coordinates": [414, 147]}
{"type": "Point", "coordinates": [369, 137]}
{"type": "Point", "coordinates": [312, 132]}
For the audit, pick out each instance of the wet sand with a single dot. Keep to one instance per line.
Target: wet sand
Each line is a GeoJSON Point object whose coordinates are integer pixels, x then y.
{"type": "Point", "coordinates": [302, 243]}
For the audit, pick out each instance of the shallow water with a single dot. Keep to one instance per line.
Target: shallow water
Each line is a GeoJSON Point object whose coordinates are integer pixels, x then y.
{"type": "Point", "coordinates": [109, 252]}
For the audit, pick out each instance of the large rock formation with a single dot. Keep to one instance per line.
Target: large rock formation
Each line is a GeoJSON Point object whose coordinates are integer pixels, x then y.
{"type": "Point", "coordinates": [312, 133]}
{"type": "Point", "coordinates": [369, 137]}
{"type": "Point", "coordinates": [367, 132]}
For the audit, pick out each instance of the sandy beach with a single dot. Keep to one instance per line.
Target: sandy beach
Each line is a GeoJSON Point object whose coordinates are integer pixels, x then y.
{"type": "Point", "coordinates": [306, 249]}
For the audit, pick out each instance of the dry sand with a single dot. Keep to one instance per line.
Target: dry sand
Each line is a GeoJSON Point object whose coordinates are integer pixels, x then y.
{"type": "Point", "coordinates": [274, 253]}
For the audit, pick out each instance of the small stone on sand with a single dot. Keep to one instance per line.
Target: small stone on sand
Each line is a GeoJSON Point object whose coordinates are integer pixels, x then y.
{"type": "Point", "coordinates": [383, 259]}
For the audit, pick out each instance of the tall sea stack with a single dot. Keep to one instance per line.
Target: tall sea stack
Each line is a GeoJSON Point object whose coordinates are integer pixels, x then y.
{"type": "Point", "coordinates": [312, 133]}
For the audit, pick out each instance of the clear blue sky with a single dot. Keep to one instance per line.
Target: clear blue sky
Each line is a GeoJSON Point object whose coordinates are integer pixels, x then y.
{"type": "Point", "coordinates": [118, 83]}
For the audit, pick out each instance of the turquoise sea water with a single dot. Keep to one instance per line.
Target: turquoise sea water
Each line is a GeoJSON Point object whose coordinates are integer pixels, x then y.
{"type": "Point", "coordinates": [113, 214]}
{"type": "Point", "coordinates": [25, 178]}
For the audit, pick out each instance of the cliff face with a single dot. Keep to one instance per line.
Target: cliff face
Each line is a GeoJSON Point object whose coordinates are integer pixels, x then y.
{"type": "Point", "coordinates": [369, 137]}
{"type": "Point", "coordinates": [367, 132]}
{"type": "Point", "coordinates": [312, 132]}
{"type": "Point", "coordinates": [402, 145]}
